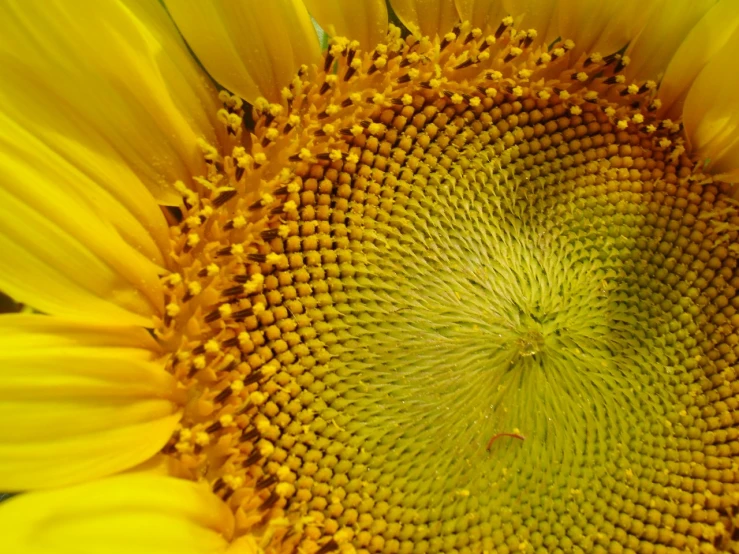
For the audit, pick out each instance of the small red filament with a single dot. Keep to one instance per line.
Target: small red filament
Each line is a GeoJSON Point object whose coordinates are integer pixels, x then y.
{"type": "Point", "coordinates": [496, 437]}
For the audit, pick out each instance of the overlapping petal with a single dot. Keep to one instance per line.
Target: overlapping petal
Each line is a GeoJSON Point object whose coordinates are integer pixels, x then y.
{"type": "Point", "coordinates": [485, 14]}
{"type": "Point", "coordinates": [142, 513]}
{"type": "Point", "coordinates": [426, 17]}
{"type": "Point", "coordinates": [705, 40]}
{"type": "Point", "coordinates": [605, 27]}
{"type": "Point", "coordinates": [111, 87]}
{"type": "Point", "coordinates": [711, 113]}
{"type": "Point", "coordinates": [664, 30]}
{"type": "Point", "coordinates": [252, 48]}
{"type": "Point", "coordinates": [361, 20]}
{"type": "Point", "coordinates": [79, 401]}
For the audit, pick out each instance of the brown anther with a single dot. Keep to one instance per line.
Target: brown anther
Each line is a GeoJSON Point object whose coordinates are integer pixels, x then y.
{"type": "Point", "coordinates": [608, 60]}
{"type": "Point", "coordinates": [242, 314]}
{"type": "Point", "coordinates": [224, 197]}
{"type": "Point", "coordinates": [239, 173]}
{"type": "Point", "coordinates": [229, 343]}
{"type": "Point", "coordinates": [212, 316]}
{"type": "Point", "coordinates": [252, 459]}
{"type": "Point", "coordinates": [233, 291]}
{"type": "Point", "coordinates": [221, 396]}
{"type": "Point", "coordinates": [226, 251]}
{"type": "Point", "coordinates": [324, 88]}
{"type": "Point", "coordinates": [349, 74]}
{"type": "Point", "coordinates": [403, 79]}
{"type": "Point", "coordinates": [250, 435]}
{"type": "Point", "coordinates": [266, 482]}
{"type": "Point", "coordinates": [269, 234]}
{"type": "Point", "coordinates": [241, 278]}
{"type": "Point", "coordinates": [328, 62]}
{"type": "Point", "coordinates": [200, 349]}
{"type": "Point", "coordinates": [467, 63]}
{"type": "Point", "coordinates": [330, 546]}
{"type": "Point", "coordinates": [346, 103]}
{"type": "Point", "coordinates": [227, 494]}
{"type": "Point", "coordinates": [231, 366]}
{"type": "Point", "coordinates": [217, 426]}
{"type": "Point", "coordinates": [271, 501]}
{"type": "Point", "coordinates": [500, 30]}
{"type": "Point", "coordinates": [259, 258]}
{"type": "Point", "coordinates": [218, 485]}
{"type": "Point", "coordinates": [253, 377]}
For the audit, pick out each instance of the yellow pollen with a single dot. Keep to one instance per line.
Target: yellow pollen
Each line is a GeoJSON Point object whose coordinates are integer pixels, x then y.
{"type": "Point", "coordinates": [193, 239]}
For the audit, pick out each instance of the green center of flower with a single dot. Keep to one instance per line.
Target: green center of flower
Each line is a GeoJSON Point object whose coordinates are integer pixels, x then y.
{"type": "Point", "coordinates": [453, 300]}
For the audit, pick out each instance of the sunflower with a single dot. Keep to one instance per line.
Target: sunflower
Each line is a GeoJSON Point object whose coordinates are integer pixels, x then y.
{"type": "Point", "coordinates": [458, 277]}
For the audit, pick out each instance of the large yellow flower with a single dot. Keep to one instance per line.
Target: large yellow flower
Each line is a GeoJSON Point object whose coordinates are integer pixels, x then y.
{"type": "Point", "coordinates": [465, 287]}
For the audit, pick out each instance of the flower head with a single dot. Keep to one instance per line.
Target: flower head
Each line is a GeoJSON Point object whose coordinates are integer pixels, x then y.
{"type": "Point", "coordinates": [464, 285]}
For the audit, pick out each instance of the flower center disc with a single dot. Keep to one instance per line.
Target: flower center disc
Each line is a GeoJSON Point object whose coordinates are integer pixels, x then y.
{"type": "Point", "coordinates": [471, 314]}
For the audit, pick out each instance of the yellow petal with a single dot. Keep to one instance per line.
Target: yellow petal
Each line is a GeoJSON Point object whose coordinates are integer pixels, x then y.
{"type": "Point", "coordinates": [484, 14]}
{"type": "Point", "coordinates": [85, 401]}
{"type": "Point", "coordinates": [108, 85]}
{"type": "Point", "coordinates": [602, 26]}
{"type": "Point", "coordinates": [426, 17]}
{"type": "Point", "coordinates": [110, 188]}
{"type": "Point", "coordinates": [663, 32]}
{"type": "Point", "coordinates": [540, 15]}
{"type": "Point", "coordinates": [700, 46]}
{"type": "Point", "coordinates": [361, 20]}
{"type": "Point", "coordinates": [60, 254]}
{"type": "Point", "coordinates": [254, 48]}
{"type": "Point", "coordinates": [125, 514]}
{"type": "Point", "coordinates": [711, 113]}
